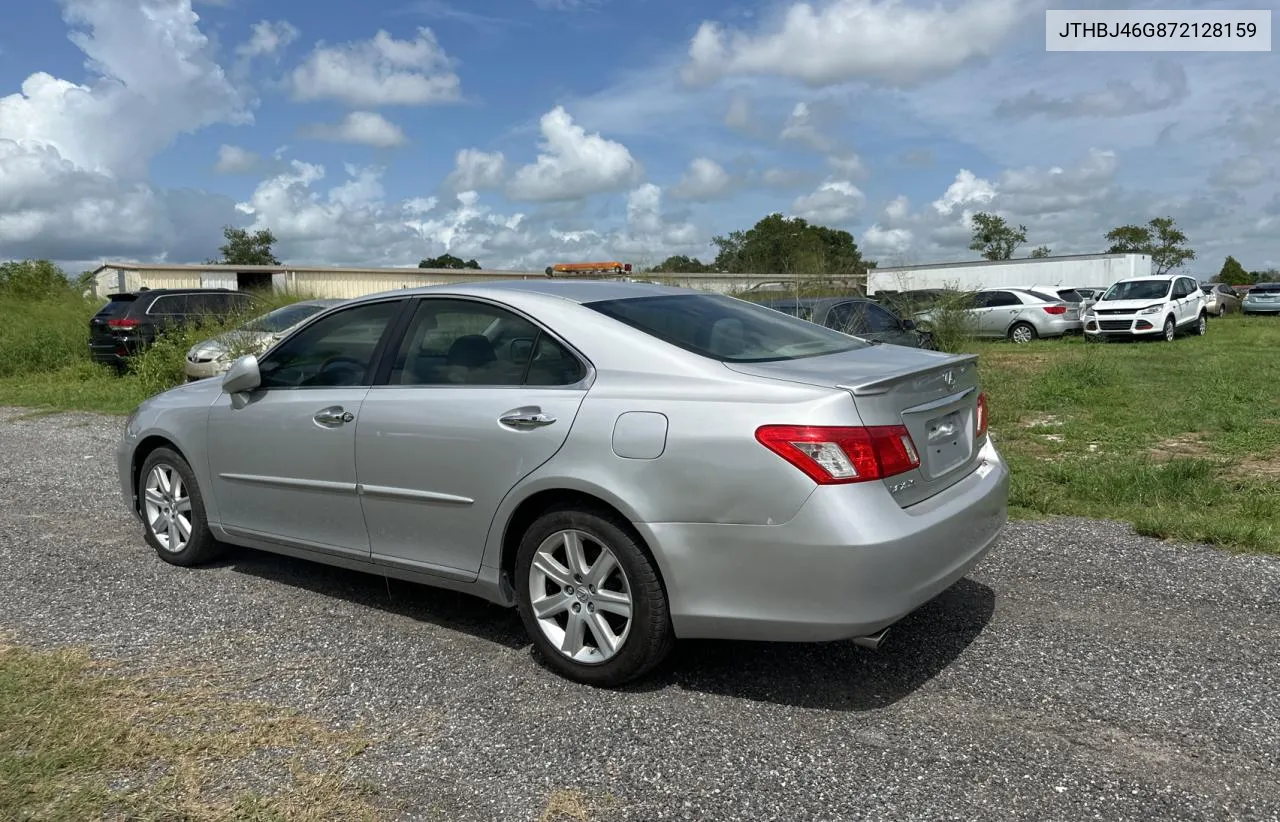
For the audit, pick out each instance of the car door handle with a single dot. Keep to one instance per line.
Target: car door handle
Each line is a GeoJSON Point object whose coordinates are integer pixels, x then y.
{"type": "Point", "coordinates": [334, 415]}
{"type": "Point", "coordinates": [526, 420]}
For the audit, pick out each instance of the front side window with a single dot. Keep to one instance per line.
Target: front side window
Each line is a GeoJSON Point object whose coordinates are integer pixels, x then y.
{"type": "Point", "coordinates": [333, 351]}
{"type": "Point", "coordinates": [725, 329]}
{"type": "Point", "coordinates": [879, 321]}
{"type": "Point", "coordinates": [460, 342]}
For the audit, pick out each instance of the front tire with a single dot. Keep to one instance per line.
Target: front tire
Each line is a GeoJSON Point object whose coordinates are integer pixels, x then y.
{"type": "Point", "coordinates": [173, 514]}
{"type": "Point", "coordinates": [590, 598]}
{"type": "Point", "coordinates": [1170, 329]}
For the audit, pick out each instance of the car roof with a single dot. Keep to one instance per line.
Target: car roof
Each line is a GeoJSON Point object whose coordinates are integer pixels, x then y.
{"type": "Point", "coordinates": [578, 291]}
{"type": "Point", "coordinates": [154, 292]}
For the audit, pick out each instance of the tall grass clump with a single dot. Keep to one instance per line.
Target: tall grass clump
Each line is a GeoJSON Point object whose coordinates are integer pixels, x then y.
{"type": "Point", "coordinates": [951, 322]}
{"type": "Point", "coordinates": [43, 333]}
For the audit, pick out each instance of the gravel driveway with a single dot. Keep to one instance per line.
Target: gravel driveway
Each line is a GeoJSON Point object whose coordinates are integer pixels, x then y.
{"type": "Point", "coordinates": [1081, 672]}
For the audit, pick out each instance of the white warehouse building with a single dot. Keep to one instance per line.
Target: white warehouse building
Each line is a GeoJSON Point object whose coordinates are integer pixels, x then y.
{"type": "Point", "coordinates": [1076, 271]}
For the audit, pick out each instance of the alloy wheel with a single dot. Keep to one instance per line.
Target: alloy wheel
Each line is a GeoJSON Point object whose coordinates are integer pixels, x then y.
{"type": "Point", "coordinates": [1022, 334]}
{"type": "Point", "coordinates": [1170, 331]}
{"type": "Point", "coordinates": [580, 596]}
{"type": "Point", "coordinates": [168, 507]}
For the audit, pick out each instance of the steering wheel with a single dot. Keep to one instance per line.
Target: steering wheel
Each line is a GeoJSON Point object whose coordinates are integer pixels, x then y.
{"type": "Point", "coordinates": [356, 367]}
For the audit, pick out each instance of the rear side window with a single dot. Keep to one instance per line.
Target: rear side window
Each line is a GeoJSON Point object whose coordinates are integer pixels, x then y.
{"type": "Point", "coordinates": [169, 305]}
{"type": "Point", "coordinates": [722, 328]}
{"type": "Point", "coordinates": [996, 299]}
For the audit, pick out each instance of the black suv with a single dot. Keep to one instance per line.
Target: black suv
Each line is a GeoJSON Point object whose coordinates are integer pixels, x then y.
{"type": "Point", "coordinates": [131, 321]}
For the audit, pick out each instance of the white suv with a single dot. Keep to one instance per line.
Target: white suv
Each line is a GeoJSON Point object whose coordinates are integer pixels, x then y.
{"type": "Point", "coordinates": [1148, 307]}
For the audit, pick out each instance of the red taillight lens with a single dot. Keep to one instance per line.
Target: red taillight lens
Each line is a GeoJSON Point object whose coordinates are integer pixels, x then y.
{"type": "Point", "coordinates": [122, 324]}
{"type": "Point", "coordinates": [832, 455]}
{"type": "Point", "coordinates": [1055, 309]}
{"type": "Point", "coordinates": [980, 427]}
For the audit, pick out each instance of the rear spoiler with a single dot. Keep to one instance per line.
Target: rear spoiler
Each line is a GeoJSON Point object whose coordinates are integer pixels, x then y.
{"type": "Point", "coordinates": [946, 372]}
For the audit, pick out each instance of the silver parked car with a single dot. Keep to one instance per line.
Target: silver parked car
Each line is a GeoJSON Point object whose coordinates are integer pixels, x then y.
{"type": "Point", "coordinates": [1220, 299]}
{"type": "Point", "coordinates": [213, 357]}
{"type": "Point", "coordinates": [625, 464]}
{"type": "Point", "coordinates": [1017, 314]}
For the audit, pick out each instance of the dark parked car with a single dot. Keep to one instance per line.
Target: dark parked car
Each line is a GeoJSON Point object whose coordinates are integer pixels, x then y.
{"type": "Point", "coordinates": [857, 316]}
{"type": "Point", "coordinates": [130, 321]}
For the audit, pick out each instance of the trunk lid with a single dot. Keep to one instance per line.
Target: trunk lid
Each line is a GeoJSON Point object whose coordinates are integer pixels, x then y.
{"type": "Point", "coordinates": [933, 394]}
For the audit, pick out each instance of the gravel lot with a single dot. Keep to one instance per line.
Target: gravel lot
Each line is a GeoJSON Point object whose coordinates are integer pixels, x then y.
{"type": "Point", "coordinates": [1081, 672]}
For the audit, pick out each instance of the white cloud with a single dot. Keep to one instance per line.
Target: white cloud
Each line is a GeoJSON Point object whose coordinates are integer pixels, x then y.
{"type": "Point", "coordinates": [568, 5]}
{"type": "Point", "coordinates": [361, 127]}
{"type": "Point", "coordinates": [74, 156]}
{"type": "Point", "coordinates": [268, 38]}
{"type": "Point", "coordinates": [887, 41]}
{"type": "Point", "coordinates": [967, 189]}
{"type": "Point", "coordinates": [476, 170]}
{"type": "Point", "coordinates": [383, 71]}
{"type": "Point", "coordinates": [801, 128]}
{"type": "Point", "coordinates": [737, 115]}
{"type": "Point", "coordinates": [704, 180]}
{"type": "Point", "coordinates": [835, 202]}
{"type": "Point", "coordinates": [1118, 98]}
{"type": "Point", "coordinates": [573, 164]}
{"type": "Point", "coordinates": [888, 242]}
{"type": "Point", "coordinates": [235, 160]}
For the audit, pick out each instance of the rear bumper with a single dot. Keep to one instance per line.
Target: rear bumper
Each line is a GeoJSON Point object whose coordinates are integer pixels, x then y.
{"type": "Point", "coordinates": [1260, 308]}
{"type": "Point", "coordinates": [850, 563]}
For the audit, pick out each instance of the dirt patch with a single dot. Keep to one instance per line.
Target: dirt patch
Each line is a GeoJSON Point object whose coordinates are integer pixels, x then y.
{"type": "Point", "coordinates": [1182, 447]}
{"type": "Point", "coordinates": [1042, 421]}
{"type": "Point", "coordinates": [564, 805]}
{"type": "Point", "coordinates": [1259, 468]}
{"type": "Point", "coordinates": [1027, 363]}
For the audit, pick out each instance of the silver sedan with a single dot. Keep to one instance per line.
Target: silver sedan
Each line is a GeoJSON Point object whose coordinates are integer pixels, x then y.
{"type": "Point", "coordinates": [625, 464]}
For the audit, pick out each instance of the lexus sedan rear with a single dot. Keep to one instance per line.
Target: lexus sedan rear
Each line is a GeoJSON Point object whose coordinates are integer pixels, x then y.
{"type": "Point", "coordinates": [624, 464]}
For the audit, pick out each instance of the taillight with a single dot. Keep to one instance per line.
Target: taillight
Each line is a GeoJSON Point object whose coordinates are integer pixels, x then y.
{"type": "Point", "coordinates": [1055, 309]}
{"type": "Point", "coordinates": [832, 455]}
{"type": "Point", "coordinates": [980, 428]}
{"type": "Point", "coordinates": [121, 324]}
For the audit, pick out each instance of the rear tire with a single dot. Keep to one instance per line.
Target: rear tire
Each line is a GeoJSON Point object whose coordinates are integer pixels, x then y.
{"type": "Point", "coordinates": [584, 606]}
{"type": "Point", "coordinates": [173, 514]}
{"type": "Point", "coordinates": [1022, 333]}
{"type": "Point", "coordinates": [1202, 324]}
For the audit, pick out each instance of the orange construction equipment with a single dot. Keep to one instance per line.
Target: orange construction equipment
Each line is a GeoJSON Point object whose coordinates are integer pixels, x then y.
{"type": "Point", "coordinates": [607, 267]}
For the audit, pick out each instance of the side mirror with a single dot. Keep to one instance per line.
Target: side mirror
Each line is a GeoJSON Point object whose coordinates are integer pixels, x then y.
{"type": "Point", "coordinates": [243, 375]}
{"type": "Point", "coordinates": [908, 325]}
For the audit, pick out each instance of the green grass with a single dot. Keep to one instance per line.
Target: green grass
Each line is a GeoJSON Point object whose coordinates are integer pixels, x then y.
{"type": "Point", "coordinates": [79, 741]}
{"type": "Point", "coordinates": [45, 364]}
{"type": "Point", "coordinates": [1182, 439]}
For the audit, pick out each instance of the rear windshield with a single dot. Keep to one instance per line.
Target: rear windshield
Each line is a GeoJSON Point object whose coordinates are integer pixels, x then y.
{"type": "Point", "coordinates": [119, 304]}
{"type": "Point", "coordinates": [726, 329]}
{"type": "Point", "coordinates": [1043, 297]}
{"type": "Point", "coordinates": [1266, 287]}
{"type": "Point", "coordinates": [1137, 290]}
{"type": "Point", "coordinates": [800, 310]}
{"type": "Point", "coordinates": [1070, 295]}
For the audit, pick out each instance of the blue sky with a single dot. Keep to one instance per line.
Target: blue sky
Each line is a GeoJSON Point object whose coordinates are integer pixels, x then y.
{"type": "Point", "coordinates": [525, 132]}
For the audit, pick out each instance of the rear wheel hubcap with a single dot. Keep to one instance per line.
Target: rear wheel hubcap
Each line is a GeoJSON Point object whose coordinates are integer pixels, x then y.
{"type": "Point", "coordinates": [580, 597]}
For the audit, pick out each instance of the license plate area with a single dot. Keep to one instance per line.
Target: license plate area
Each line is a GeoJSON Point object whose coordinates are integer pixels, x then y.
{"type": "Point", "coordinates": [948, 443]}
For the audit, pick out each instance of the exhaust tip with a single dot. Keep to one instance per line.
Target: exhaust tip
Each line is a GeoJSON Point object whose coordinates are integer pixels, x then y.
{"type": "Point", "coordinates": [871, 641]}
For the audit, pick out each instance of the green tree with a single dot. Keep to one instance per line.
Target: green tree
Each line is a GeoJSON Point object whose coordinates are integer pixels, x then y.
{"type": "Point", "coordinates": [1233, 273]}
{"type": "Point", "coordinates": [1042, 251]}
{"type": "Point", "coordinates": [1271, 275]}
{"type": "Point", "coordinates": [1160, 239]}
{"type": "Point", "coordinates": [782, 245]}
{"type": "Point", "coordinates": [680, 264]}
{"type": "Point", "coordinates": [243, 248]}
{"type": "Point", "coordinates": [33, 279]}
{"type": "Point", "coordinates": [448, 261]}
{"type": "Point", "coordinates": [994, 238]}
